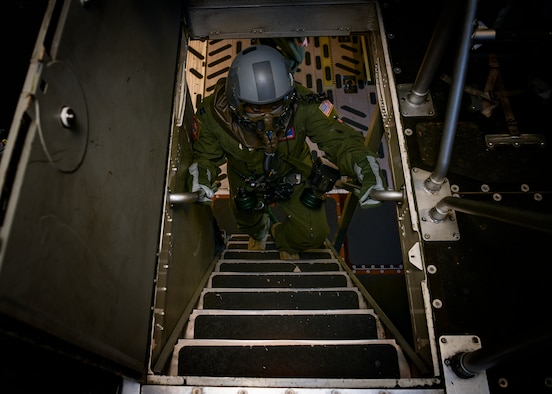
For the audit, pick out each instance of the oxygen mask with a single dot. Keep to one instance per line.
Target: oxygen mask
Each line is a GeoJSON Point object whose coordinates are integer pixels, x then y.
{"type": "Point", "coordinates": [267, 120]}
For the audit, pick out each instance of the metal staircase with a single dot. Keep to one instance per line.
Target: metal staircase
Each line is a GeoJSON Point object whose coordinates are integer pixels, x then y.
{"type": "Point", "coordinates": [262, 317]}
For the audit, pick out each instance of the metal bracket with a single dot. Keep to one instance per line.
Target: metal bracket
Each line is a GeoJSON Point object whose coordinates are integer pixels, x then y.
{"type": "Point", "coordinates": [492, 140]}
{"type": "Point", "coordinates": [410, 110]}
{"type": "Point", "coordinates": [450, 345]}
{"type": "Point", "coordinates": [446, 230]}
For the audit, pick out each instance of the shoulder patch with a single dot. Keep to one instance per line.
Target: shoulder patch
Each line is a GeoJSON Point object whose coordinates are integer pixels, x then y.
{"type": "Point", "coordinates": [326, 107]}
{"type": "Point", "coordinates": [290, 134]}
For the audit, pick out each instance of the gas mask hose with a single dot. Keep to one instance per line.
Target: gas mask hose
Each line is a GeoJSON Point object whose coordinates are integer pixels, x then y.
{"type": "Point", "coordinates": [270, 164]}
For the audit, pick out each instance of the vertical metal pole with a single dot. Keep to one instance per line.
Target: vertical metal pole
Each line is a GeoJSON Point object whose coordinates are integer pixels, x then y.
{"type": "Point", "coordinates": [434, 53]}
{"type": "Point", "coordinates": [433, 183]}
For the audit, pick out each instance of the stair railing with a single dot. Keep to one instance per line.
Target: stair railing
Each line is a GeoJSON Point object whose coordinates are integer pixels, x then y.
{"type": "Point", "coordinates": [520, 217]}
{"type": "Point", "coordinates": [437, 177]}
{"type": "Point", "coordinates": [351, 203]}
{"type": "Point", "coordinates": [183, 198]}
{"type": "Point", "coordinates": [467, 365]}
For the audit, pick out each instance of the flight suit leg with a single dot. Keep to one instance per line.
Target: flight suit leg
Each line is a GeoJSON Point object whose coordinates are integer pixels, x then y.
{"type": "Point", "coordinates": [256, 223]}
{"type": "Point", "coordinates": [303, 227]}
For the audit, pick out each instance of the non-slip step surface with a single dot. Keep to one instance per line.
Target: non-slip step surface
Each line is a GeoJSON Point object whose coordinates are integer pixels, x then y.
{"type": "Point", "coordinates": [375, 359]}
{"type": "Point", "coordinates": [344, 298]}
{"type": "Point", "coordinates": [280, 266]}
{"type": "Point", "coordinates": [289, 280]}
{"type": "Point", "coordinates": [273, 254]}
{"type": "Point", "coordinates": [242, 238]}
{"type": "Point", "coordinates": [284, 326]}
{"type": "Point", "coordinates": [244, 245]}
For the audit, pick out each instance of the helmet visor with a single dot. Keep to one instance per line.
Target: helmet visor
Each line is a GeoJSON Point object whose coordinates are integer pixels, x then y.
{"type": "Point", "coordinates": [257, 111]}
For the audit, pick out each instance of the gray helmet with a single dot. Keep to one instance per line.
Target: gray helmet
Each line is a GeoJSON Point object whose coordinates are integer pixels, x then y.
{"type": "Point", "coordinates": [258, 75]}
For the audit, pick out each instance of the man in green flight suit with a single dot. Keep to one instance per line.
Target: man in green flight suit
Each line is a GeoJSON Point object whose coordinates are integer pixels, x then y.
{"type": "Point", "coordinates": [257, 121]}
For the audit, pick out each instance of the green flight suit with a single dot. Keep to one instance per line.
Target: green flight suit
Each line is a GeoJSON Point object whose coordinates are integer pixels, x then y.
{"type": "Point", "coordinates": [218, 140]}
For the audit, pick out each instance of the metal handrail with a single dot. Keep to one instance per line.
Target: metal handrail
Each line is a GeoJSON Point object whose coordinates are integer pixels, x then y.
{"type": "Point", "coordinates": [380, 195]}
{"type": "Point", "coordinates": [468, 364]}
{"type": "Point", "coordinates": [183, 198]}
{"type": "Point", "coordinates": [351, 203]}
{"type": "Point", "coordinates": [521, 217]}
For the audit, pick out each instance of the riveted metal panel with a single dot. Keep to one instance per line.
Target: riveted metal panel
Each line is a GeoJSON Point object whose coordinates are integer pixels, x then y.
{"type": "Point", "coordinates": [243, 19]}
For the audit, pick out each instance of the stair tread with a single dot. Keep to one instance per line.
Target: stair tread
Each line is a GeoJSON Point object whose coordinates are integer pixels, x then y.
{"type": "Point", "coordinates": [314, 254]}
{"type": "Point", "coordinates": [263, 317]}
{"type": "Point", "coordinates": [279, 279]}
{"type": "Point", "coordinates": [277, 266]}
{"type": "Point", "coordinates": [366, 311]}
{"type": "Point", "coordinates": [325, 325]}
{"type": "Point", "coordinates": [243, 246]}
{"type": "Point", "coordinates": [375, 358]}
{"type": "Point", "coordinates": [281, 298]}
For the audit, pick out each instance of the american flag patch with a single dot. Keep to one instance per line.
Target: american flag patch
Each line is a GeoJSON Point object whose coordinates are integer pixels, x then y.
{"type": "Point", "coordinates": [326, 107]}
{"type": "Point", "coordinates": [290, 134]}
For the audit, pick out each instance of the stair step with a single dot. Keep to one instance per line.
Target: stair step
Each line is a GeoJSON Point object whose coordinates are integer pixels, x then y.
{"type": "Point", "coordinates": [239, 237]}
{"type": "Point", "coordinates": [285, 279]}
{"type": "Point", "coordinates": [328, 298]}
{"type": "Point", "coordinates": [261, 317]}
{"type": "Point", "coordinates": [243, 238]}
{"type": "Point", "coordinates": [351, 359]}
{"type": "Point", "coordinates": [242, 245]}
{"type": "Point", "coordinates": [278, 266]}
{"type": "Point", "coordinates": [286, 324]}
{"type": "Point", "coordinates": [313, 254]}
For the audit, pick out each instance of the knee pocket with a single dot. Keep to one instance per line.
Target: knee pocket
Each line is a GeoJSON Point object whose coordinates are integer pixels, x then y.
{"type": "Point", "coordinates": [303, 236]}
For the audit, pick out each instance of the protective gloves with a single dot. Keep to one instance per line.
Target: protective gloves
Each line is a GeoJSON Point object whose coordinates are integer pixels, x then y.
{"type": "Point", "coordinates": [368, 174]}
{"type": "Point", "coordinates": [206, 193]}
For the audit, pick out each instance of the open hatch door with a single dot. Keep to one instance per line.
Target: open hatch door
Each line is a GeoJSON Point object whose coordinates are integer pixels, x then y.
{"type": "Point", "coordinates": [83, 178]}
